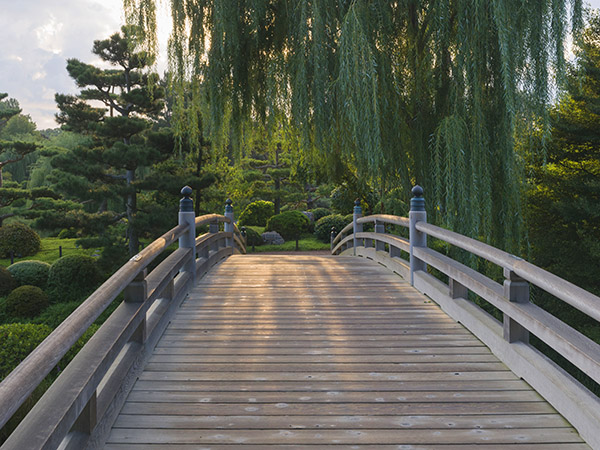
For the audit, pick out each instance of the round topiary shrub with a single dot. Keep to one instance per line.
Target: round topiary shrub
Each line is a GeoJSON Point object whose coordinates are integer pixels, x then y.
{"type": "Point", "coordinates": [26, 301]}
{"type": "Point", "coordinates": [256, 213]}
{"type": "Point", "coordinates": [319, 213]}
{"type": "Point", "coordinates": [7, 282]}
{"type": "Point", "coordinates": [34, 273]}
{"type": "Point", "coordinates": [290, 224]}
{"type": "Point", "coordinates": [17, 340]}
{"type": "Point", "coordinates": [72, 278]}
{"type": "Point", "coordinates": [324, 224]}
{"type": "Point", "coordinates": [253, 238]}
{"type": "Point", "coordinates": [19, 239]}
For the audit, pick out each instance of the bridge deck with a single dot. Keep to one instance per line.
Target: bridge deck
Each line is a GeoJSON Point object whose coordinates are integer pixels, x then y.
{"type": "Point", "coordinates": [304, 351]}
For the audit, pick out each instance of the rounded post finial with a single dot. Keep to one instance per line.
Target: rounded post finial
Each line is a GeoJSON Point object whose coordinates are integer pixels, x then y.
{"type": "Point", "coordinates": [228, 207]}
{"type": "Point", "coordinates": [417, 203]}
{"type": "Point", "coordinates": [186, 204]}
{"type": "Point", "coordinates": [357, 208]}
{"type": "Point", "coordinates": [243, 231]}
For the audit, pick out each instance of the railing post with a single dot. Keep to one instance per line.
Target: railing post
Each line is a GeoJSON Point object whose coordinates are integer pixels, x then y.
{"type": "Point", "coordinates": [228, 227]}
{"type": "Point", "coordinates": [188, 239]}
{"type": "Point", "coordinates": [137, 292]}
{"type": "Point", "coordinates": [379, 228]}
{"type": "Point", "coordinates": [332, 237]}
{"type": "Point", "coordinates": [417, 239]}
{"type": "Point", "coordinates": [356, 227]}
{"type": "Point", "coordinates": [516, 289]}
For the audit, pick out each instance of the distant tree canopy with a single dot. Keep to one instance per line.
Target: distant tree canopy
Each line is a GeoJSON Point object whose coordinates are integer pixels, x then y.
{"type": "Point", "coordinates": [409, 91]}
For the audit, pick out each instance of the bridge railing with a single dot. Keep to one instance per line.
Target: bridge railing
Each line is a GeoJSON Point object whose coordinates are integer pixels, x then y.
{"type": "Point", "coordinates": [70, 411]}
{"type": "Point", "coordinates": [411, 257]}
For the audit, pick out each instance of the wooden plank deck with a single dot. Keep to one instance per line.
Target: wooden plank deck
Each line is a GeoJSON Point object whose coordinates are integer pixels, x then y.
{"type": "Point", "coordinates": [302, 351]}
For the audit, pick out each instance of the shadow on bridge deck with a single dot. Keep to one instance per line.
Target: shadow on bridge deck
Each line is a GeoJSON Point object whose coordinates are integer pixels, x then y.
{"type": "Point", "coordinates": [303, 351]}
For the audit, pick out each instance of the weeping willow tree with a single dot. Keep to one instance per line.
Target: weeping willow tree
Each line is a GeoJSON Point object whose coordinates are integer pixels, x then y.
{"type": "Point", "coordinates": [405, 91]}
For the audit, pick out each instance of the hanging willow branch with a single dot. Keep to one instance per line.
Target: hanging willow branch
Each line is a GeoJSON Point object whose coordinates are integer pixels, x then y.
{"type": "Point", "coordinates": [411, 91]}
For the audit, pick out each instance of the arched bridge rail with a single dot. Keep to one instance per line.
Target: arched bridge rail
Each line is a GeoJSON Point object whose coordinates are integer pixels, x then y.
{"type": "Point", "coordinates": [84, 392]}
{"type": "Point", "coordinates": [409, 257]}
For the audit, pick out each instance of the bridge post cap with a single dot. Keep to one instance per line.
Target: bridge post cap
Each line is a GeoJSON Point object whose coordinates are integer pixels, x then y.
{"type": "Point", "coordinates": [357, 208]}
{"type": "Point", "coordinates": [357, 202]}
{"type": "Point", "coordinates": [417, 203]}
{"type": "Point", "coordinates": [228, 207]}
{"type": "Point", "coordinates": [243, 231]}
{"type": "Point", "coordinates": [186, 204]}
{"type": "Point", "coordinates": [417, 191]}
{"type": "Point", "coordinates": [332, 229]}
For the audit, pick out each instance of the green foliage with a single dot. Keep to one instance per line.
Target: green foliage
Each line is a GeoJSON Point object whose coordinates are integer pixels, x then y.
{"type": "Point", "coordinates": [20, 239]}
{"type": "Point", "coordinates": [72, 278]}
{"type": "Point", "coordinates": [54, 315]}
{"type": "Point", "coordinates": [257, 213]}
{"type": "Point", "coordinates": [7, 282]}
{"type": "Point", "coordinates": [32, 272]}
{"type": "Point", "coordinates": [253, 238]}
{"type": "Point", "coordinates": [26, 301]}
{"type": "Point", "coordinates": [306, 243]}
{"type": "Point", "coordinates": [324, 225]}
{"type": "Point", "coordinates": [318, 213]}
{"type": "Point", "coordinates": [16, 342]}
{"type": "Point", "coordinates": [289, 224]}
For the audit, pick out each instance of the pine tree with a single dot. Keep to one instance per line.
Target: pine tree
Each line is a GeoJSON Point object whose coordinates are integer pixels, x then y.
{"type": "Point", "coordinates": [105, 172]}
{"type": "Point", "coordinates": [564, 194]}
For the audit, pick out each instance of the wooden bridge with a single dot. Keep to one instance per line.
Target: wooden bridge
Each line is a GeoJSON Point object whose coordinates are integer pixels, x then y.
{"type": "Point", "coordinates": [362, 349]}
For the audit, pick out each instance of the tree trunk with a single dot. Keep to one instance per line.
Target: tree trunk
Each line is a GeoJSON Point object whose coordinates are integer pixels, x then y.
{"type": "Point", "coordinates": [131, 206]}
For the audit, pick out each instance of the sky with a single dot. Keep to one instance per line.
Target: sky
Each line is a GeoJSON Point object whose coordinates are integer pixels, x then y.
{"type": "Point", "coordinates": [38, 36]}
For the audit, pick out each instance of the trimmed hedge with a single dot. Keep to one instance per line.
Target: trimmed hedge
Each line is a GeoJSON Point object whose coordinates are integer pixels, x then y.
{"type": "Point", "coordinates": [253, 238]}
{"type": "Point", "coordinates": [324, 224]}
{"type": "Point", "coordinates": [26, 302]}
{"type": "Point", "coordinates": [72, 278]}
{"type": "Point", "coordinates": [20, 239]}
{"type": "Point", "coordinates": [290, 224]}
{"type": "Point", "coordinates": [256, 213]}
{"type": "Point", "coordinates": [319, 213]}
{"type": "Point", "coordinates": [32, 273]}
{"type": "Point", "coordinates": [17, 340]}
{"type": "Point", "coordinates": [7, 282]}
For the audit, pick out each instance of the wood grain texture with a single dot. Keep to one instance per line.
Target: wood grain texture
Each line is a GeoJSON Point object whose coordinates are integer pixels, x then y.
{"type": "Point", "coordinates": [285, 351]}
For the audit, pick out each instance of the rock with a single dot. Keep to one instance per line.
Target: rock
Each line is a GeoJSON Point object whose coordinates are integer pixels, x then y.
{"type": "Point", "coordinates": [272, 237]}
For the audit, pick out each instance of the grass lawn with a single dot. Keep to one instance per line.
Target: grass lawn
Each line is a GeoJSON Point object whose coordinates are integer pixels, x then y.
{"type": "Point", "coordinates": [307, 242]}
{"type": "Point", "coordinates": [50, 251]}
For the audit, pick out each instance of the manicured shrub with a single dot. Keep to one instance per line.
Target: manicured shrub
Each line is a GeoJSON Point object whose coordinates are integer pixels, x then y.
{"type": "Point", "coordinates": [17, 340]}
{"type": "Point", "coordinates": [253, 238]}
{"type": "Point", "coordinates": [7, 282]}
{"type": "Point", "coordinates": [256, 213]}
{"type": "Point", "coordinates": [20, 239]}
{"type": "Point", "coordinates": [72, 278]}
{"type": "Point", "coordinates": [33, 273]}
{"type": "Point", "coordinates": [324, 224]}
{"type": "Point", "coordinates": [67, 233]}
{"type": "Point", "coordinates": [319, 213]}
{"type": "Point", "coordinates": [26, 301]}
{"type": "Point", "coordinates": [290, 224]}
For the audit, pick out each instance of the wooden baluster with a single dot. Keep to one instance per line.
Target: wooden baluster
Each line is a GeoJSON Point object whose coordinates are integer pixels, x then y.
{"type": "Point", "coordinates": [516, 290]}
{"type": "Point", "coordinates": [137, 292]}
{"type": "Point", "coordinates": [356, 227]}
{"type": "Point", "coordinates": [417, 239]}
{"type": "Point", "coordinates": [379, 228]}
{"type": "Point", "coordinates": [457, 290]}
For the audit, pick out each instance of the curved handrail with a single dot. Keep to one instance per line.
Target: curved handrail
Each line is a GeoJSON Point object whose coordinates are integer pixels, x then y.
{"type": "Point", "coordinates": [575, 296]}
{"type": "Point", "coordinates": [22, 381]}
{"type": "Point", "coordinates": [84, 375]}
{"type": "Point", "coordinates": [385, 218]}
{"type": "Point", "coordinates": [341, 234]}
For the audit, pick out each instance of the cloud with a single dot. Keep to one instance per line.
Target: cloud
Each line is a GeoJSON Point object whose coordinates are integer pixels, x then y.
{"type": "Point", "coordinates": [38, 37]}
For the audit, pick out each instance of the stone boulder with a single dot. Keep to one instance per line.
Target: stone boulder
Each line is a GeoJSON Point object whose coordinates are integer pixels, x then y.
{"type": "Point", "coordinates": [272, 237]}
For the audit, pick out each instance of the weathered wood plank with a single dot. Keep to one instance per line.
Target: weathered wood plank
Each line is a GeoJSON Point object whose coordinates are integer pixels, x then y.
{"type": "Point", "coordinates": [484, 446]}
{"type": "Point", "coordinates": [318, 352]}
{"type": "Point", "coordinates": [296, 436]}
{"type": "Point", "coordinates": [344, 422]}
